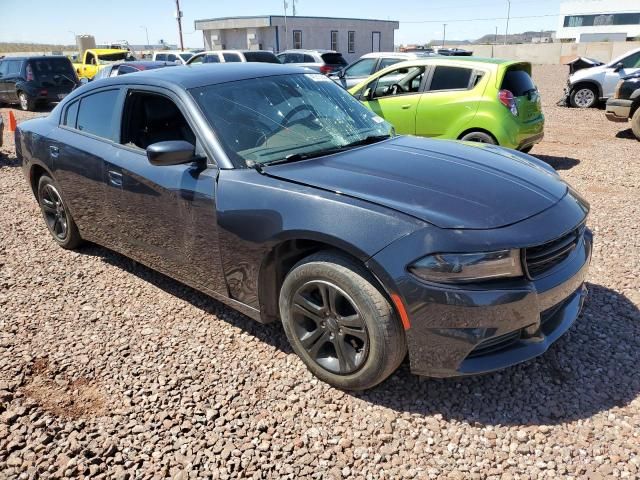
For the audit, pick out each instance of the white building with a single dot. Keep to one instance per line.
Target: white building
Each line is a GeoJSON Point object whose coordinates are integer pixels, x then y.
{"type": "Point", "coordinates": [599, 20]}
{"type": "Point", "coordinates": [350, 36]}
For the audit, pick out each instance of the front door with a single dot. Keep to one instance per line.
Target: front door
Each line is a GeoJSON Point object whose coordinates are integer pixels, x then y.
{"type": "Point", "coordinates": [614, 73]}
{"type": "Point", "coordinates": [395, 97]}
{"type": "Point", "coordinates": [165, 216]}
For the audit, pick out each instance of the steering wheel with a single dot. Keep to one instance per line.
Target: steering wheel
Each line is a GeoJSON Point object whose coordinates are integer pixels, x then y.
{"type": "Point", "coordinates": [396, 88]}
{"type": "Point", "coordinates": [300, 108]}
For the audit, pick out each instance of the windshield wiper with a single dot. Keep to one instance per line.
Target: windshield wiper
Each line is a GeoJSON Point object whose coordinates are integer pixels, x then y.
{"type": "Point", "coordinates": [295, 157]}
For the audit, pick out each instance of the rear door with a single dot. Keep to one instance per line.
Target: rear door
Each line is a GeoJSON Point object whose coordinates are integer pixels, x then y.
{"type": "Point", "coordinates": [450, 94]}
{"type": "Point", "coordinates": [10, 78]}
{"type": "Point", "coordinates": [395, 96]}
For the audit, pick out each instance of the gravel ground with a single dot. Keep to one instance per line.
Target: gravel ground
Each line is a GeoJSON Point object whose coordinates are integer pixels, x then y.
{"type": "Point", "coordinates": [110, 370]}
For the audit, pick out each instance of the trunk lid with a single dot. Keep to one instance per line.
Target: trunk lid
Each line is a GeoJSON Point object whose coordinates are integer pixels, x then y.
{"type": "Point", "coordinates": [517, 79]}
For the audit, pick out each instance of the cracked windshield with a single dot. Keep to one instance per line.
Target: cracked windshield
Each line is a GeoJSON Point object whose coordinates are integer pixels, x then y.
{"type": "Point", "coordinates": [287, 117]}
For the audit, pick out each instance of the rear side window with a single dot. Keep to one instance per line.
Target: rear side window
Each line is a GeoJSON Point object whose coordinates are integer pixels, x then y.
{"type": "Point", "coordinates": [126, 69]}
{"type": "Point", "coordinates": [96, 113]}
{"type": "Point", "coordinates": [517, 82]}
{"type": "Point", "coordinates": [333, 59]}
{"type": "Point", "coordinates": [264, 57]}
{"type": "Point", "coordinates": [171, 57]}
{"type": "Point", "coordinates": [361, 68]}
{"type": "Point", "coordinates": [450, 78]}
{"type": "Point", "coordinates": [211, 58]}
{"type": "Point", "coordinates": [4, 67]}
{"type": "Point", "coordinates": [308, 59]}
{"type": "Point", "coordinates": [161, 57]}
{"type": "Point", "coordinates": [231, 57]}
{"type": "Point", "coordinates": [387, 62]}
{"type": "Point", "coordinates": [71, 115]}
{"type": "Point", "coordinates": [14, 67]}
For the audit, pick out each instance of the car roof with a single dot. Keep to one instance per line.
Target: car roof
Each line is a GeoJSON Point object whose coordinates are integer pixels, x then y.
{"type": "Point", "coordinates": [193, 76]}
{"type": "Point", "coordinates": [34, 57]}
{"type": "Point", "coordinates": [471, 60]}
{"type": "Point", "coordinates": [305, 50]}
{"type": "Point", "coordinates": [147, 63]}
{"type": "Point", "coordinates": [234, 51]}
{"type": "Point", "coordinates": [409, 55]}
{"type": "Point", "coordinates": [105, 51]}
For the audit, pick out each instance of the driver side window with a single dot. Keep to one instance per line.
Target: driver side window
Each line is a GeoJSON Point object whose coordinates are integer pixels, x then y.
{"type": "Point", "coordinates": [632, 61]}
{"type": "Point", "coordinates": [91, 59]}
{"type": "Point", "coordinates": [401, 81]}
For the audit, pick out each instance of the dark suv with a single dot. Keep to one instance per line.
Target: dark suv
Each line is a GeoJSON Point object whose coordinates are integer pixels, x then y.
{"type": "Point", "coordinates": [625, 103]}
{"type": "Point", "coordinates": [28, 81]}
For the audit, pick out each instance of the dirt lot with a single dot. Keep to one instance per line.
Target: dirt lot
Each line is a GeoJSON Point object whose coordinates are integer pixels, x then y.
{"type": "Point", "coordinates": [110, 370]}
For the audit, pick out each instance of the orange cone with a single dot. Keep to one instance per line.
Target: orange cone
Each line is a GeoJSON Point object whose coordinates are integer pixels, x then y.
{"type": "Point", "coordinates": [12, 122]}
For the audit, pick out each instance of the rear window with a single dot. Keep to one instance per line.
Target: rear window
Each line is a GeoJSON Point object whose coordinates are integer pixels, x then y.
{"type": "Point", "coordinates": [333, 59]}
{"type": "Point", "coordinates": [52, 66]}
{"type": "Point", "coordinates": [264, 57]}
{"type": "Point", "coordinates": [450, 78]}
{"type": "Point", "coordinates": [231, 57]}
{"type": "Point", "coordinates": [97, 112]}
{"type": "Point", "coordinates": [518, 82]}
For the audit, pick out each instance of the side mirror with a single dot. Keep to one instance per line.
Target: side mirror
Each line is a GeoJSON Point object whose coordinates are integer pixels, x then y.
{"type": "Point", "coordinates": [342, 73]}
{"type": "Point", "coordinates": [368, 94]}
{"type": "Point", "coordinates": [84, 81]}
{"type": "Point", "coordinates": [173, 152]}
{"type": "Point", "coordinates": [618, 66]}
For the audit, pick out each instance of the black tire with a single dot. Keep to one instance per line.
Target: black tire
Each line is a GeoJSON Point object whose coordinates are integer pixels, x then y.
{"type": "Point", "coordinates": [361, 323]}
{"type": "Point", "coordinates": [26, 102]}
{"type": "Point", "coordinates": [526, 149]}
{"type": "Point", "coordinates": [583, 96]}
{"type": "Point", "coordinates": [56, 215]}
{"type": "Point", "coordinates": [480, 137]}
{"type": "Point", "coordinates": [635, 123]}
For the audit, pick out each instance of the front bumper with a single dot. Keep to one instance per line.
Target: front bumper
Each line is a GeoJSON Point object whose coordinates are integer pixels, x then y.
{"type": "Point", "coordinates": [470, 329]}
{"type": "Point", "coordinates": [618, 110]}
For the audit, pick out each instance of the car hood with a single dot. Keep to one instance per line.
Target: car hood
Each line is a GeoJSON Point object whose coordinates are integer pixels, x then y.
{"type": "Point", "coordinates": [446, 183]}
{"type": "Point", "coordinates": [591, 73]}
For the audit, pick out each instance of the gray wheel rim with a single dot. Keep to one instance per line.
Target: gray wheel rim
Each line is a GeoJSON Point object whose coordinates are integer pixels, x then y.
{"type": "Point", "coordinates": [477, 138]}
{"type": "Point", "coordinates": [24, 101]}
{"type": "Point", "coordinates": [584, 97]}
{"type": "Point", "coordinates": [54, 212]}
{"type": "Point", "coordinates": [329, 326]}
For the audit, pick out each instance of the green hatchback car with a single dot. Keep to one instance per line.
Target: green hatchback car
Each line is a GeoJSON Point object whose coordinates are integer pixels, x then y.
{"type": "Point", "coordinates": [465, 98]}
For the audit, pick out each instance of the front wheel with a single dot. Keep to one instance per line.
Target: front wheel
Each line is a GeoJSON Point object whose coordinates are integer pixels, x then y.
{"type": "Point", "coordinates": [583, 97]}
{"type": "Point", "coordinates": [56, 214]}
{"type": "Point", "coordinates": [340, 325]}
{"type": "Point", "coordinates": [635, 123]}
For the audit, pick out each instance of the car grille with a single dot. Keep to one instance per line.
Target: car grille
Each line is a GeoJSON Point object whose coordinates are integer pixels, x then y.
{"type": "Point", "coordinates": [494, 344]}
{"type": "Point", "coordinates": [540, 259]}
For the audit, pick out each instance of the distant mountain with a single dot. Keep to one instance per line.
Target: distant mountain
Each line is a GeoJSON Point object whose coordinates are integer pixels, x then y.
{"type": "Point", "coordinates": [6, 47]}
{"type": "Point", "coordinates": [525, 37]}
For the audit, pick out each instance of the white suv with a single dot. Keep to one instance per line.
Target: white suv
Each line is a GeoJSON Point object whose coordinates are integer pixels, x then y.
{"type": "Point", "coordinates": [588, 86]}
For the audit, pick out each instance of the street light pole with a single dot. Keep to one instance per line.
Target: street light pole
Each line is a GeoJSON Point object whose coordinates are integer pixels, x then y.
{"type": "Point", "coordinates": [444, 33]}
{"type": "Point", "coordinates": [506, 32]}
{"type": "Point", "coordinates": [146, 30]}
{"type": "Point", "coordinates": [495, 39]}
{"type": "Point", "coordinates": [286, 31]}
{"type": "Point", "coordinates": [179, 17]}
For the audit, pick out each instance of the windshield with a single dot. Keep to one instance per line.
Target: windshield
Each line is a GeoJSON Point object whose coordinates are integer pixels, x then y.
{"type": "Point", "coordinates": [271, 119]}
{"type": "Point", "coordinates": [107, 58]}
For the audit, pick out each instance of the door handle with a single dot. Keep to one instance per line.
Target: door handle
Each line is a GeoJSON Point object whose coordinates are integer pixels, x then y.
{"type": "Point", "coordinates": [406, 107]}
{"type": "Point", "coordinates": [54, 151]}
{"type": "Point", "coordinates": [115, 178]}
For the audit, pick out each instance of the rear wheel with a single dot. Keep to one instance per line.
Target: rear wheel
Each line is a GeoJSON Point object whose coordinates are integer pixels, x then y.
{"type": "Point", "coordinates": [340, 325]}
{"type": "Point", "coordinates": [480, 137]}
{"type": "Point", "coordinates": [56, 215]}
{"type": "Point", "coordinates": [26, 102]}
{"type": "Point", "coordinates": [635, 123]}
{"type": "Point", "coordinates": [583, 97]}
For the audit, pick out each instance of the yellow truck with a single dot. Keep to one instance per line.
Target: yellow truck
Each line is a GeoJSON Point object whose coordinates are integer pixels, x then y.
{"type": "Point", "coordinates": [94, 59]}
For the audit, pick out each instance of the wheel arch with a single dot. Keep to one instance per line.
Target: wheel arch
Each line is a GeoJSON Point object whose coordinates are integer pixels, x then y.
{"type": "Point", "coordinates": [36, 171]}
{"type": "Point", "coordinates": [478, 129]}
{"type": "Point", "coordinates": [280, 260]}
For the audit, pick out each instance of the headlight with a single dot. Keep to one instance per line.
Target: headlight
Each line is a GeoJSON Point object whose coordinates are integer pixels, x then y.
{"type": "Point", "coordinates": [468, 267]}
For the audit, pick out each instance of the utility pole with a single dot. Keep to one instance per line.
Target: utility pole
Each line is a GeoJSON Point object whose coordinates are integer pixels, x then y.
{"type": "Point", "coordinates": [286, 31]}
{"type": "Point", "coordinates": [506, 32]}
{"type": "Point", "coordinates": [293, 4]}
{"type": "Point", "coordinates": [444, 33]}
{"type": "Point", "coordinates": [179, 18]}
{"type": "Point", "coordinates": [495, 39]}
{"type": "Point", "coordinates": [147, 32]}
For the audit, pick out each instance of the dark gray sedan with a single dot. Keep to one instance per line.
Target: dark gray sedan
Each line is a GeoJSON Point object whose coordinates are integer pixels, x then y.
{"type": "Point", "coordinates": [274, 191]}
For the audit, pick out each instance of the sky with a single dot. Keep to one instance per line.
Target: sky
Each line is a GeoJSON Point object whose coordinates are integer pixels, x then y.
{"type": "Point", "coordinates": [50, 21]}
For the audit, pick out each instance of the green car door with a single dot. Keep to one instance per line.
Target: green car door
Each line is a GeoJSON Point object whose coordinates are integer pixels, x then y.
{"type": "Point", "coordinates": [395, 96]}
{"type": "Point", "coordinates": [450, 101]}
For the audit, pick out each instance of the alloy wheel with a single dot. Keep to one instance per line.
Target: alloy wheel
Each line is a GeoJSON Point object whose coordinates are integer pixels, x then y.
{"type": "Point", "coordinates": [54, 212]}
{"type": "Point", "coordinates": [24, 101]}
{"type": "Point", "coordinates": [329, 327]}
{"type": "Point", "coordinates": [584, 97]}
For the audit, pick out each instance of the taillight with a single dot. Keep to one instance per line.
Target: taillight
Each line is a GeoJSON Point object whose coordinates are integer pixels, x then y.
{"type": "Point", "coordinates": [507, 99]}
{"type": "Point", "coordinates": [326, 69]}
{"type": "Point", "coordinates": [44, 93]}
{"type": "Point", "coordinates": [29, 73]}
{"type": "Point", "coordinates": [618, 87]}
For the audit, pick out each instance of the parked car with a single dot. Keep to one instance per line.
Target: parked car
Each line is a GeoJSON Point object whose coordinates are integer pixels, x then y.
{"type": "Point", "coordinates": [588, 86]}
{"type": "Point", "coordinates": [29, 81]}
{"type": "Point", "coordinates": [177, 56]}
{"type": "Point", "coordinates": [625, 103]}
{"type": "Point", "coordinates": [1, 130]}
{"type": "Point", "coordinates": [266, 187]}
{"type": "Point", "coordinates": [324, 61]}
{"type": "Point", "coordinates": [369, 64]}
{"type": "Point", "coordinates": [130, 67]}
{"type": "Point", "coordinates": [454, 52]}
{"type": "Point", "coordinates": [92, 60]}
{"type": "Point", "coordinates": [226, 56]}
{"type": "Point", "coordinates": [465, 98]}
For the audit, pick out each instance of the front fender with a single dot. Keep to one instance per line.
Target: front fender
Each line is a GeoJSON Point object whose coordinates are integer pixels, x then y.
{"type": "Point", "coordinates": [256, 213]}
